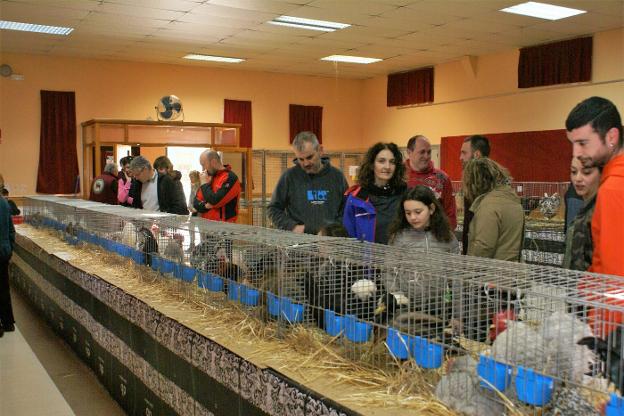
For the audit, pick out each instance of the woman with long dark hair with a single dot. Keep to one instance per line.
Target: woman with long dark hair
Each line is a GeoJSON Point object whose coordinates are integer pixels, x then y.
{"type": "Point", "coordinates": [371, 205]}
{"type": "Point", "coordinates": [421, 223]}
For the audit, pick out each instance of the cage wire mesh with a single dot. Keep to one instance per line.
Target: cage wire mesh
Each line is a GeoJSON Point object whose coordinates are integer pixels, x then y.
{"type": "Point", "coordinates": [515, 325]}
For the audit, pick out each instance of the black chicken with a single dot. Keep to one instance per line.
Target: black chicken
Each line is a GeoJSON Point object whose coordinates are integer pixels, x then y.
{"type": "Point", "coordinates": [610, 352]}
{"type": "Point", "coordinates": [147, 244]}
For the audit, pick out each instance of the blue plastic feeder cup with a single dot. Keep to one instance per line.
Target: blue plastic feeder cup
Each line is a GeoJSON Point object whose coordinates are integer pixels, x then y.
{"type": "Point", "coordinates": [356, 330]}
{"type": "Point", "coordinates": [290, 311]}
{"type": "Point", "coordinates": [533, 388]}
{"type": "Point", "coordinates": [398, 344]}
{"type": "Point", "coordinates": [249, 296]}
{"type": "Point", "coordinates": [615, 407]}
{"type": "Point", "coordinates": [426, 354]}
{"type": "Point", "coordinates": [233, 290]}
{"type": "Point", "coordinates": [155, 263]}
{"type": "Point", "coordinates": [188, 273]}
{"type": "Point", "coordinates": [137, 256]}
{"type": "Point", "coordinates": [333, 323]}
{"type": "Point", "coordinates": [166, 266]}
{"type": "Point", "coordinates": [213, 282]}
{"type": "Point", "coordinates": [273, 304]}
{"type": "Point", "coordinates": [497, 374]}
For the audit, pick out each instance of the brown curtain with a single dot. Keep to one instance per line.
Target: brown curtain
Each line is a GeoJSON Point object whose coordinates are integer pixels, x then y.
{"type": "Point", "coordinates": [413, 87]}
{"type": "Point", "coordinates": [239, 112]}
{"type": "Point", "coordinates": [555, 63]}
{"type": "Point", "coordinates": [306, 118]}
{"type": "Point", "coordinates": [58, 158]}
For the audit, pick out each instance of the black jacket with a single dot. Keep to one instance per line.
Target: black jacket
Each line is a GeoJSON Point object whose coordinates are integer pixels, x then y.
{"type": "Point", "coordinates": [170, 196]}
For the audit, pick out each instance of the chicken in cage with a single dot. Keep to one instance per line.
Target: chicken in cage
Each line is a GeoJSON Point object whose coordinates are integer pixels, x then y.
{"type": "Point", "coordinates": [546, 330]}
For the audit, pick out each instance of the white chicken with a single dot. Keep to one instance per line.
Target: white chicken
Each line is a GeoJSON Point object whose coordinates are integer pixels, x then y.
{"type": "Point", "coordinates": [459, 389]}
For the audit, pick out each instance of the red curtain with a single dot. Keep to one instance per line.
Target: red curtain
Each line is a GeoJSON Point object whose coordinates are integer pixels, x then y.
{"type": "Point", "coordinates": [239, 112]}
{"type": "Point", "coordinates": [58, 158]}
{"type": "Point", "coordinates": [530, 156]}
{"type": "Point", "coordinates": [555, 63]}
{"type": "Point", "coordinates": [306, 118]}
{"type": "Point", "coordinates": [413, 87]}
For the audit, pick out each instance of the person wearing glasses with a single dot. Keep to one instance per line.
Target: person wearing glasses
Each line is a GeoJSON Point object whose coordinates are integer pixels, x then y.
{"type": "Point", "coordinates": [154, 191]}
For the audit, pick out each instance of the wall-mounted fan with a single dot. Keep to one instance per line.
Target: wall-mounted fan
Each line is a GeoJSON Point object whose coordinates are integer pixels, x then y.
{"type": "Point", "coordinates": [169, 108]}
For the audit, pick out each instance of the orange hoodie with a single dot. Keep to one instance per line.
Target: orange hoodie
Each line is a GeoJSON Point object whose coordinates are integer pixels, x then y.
{"type": "Point", "coordinates": [608, 237]}
{"type": "Point", "coordinates": [608, 221]}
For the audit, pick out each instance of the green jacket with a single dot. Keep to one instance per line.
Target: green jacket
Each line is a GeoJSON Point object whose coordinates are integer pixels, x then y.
{"type": "Point", "coordinates": [497, 229]}
{"type": "Point", "coordinates": [7, 231]}
{"type": "Point", "coordinates": [579, 247]}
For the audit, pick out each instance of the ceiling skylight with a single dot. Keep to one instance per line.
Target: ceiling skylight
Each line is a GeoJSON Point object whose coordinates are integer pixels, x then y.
{"type": "Point", "coordinates": [31, 27]}
{"type": "Point", "coordinates": [543, 10]}
{"type": "Point", "coordinates": [212, 58]}
{"type": "Point", "coordinates": [310, 24]}
{"type": "Point", "coordinates": [351, 59]}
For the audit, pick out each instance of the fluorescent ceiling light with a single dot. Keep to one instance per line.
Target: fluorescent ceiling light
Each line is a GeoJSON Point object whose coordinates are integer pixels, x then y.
{"type": "Point", "coordinates": [198, 57]}
{"type": "Point", "coordinates": [30, 27]}
{"type": "Point", "coordinates": [351, 59]}
{"type": "Point", "coordinates": [543, 10]}
{"type": "Point", "coordinates": [311, 24]}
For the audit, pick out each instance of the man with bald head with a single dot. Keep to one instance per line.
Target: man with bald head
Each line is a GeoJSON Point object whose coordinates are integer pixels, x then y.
{"type": "Point", "coordinates": [218, 194]}
{"type": "Point", "coordinates": [420, 171]}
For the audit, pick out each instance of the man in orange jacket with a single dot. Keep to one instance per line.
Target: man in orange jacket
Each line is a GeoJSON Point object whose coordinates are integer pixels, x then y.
{"type": "Point", "coordinates": [217, 197]}
{"type": "Point", "coordinates": [594, 127]}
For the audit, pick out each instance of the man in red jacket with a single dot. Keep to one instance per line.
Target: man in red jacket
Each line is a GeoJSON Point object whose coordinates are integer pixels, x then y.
{"type": "Point", "coordinates": [217, 197]}
{"type": "Point", "coordinates": [420, 171]}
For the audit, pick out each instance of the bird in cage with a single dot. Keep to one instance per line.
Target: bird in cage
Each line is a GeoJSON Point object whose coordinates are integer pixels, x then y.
{"type": "Point", "coordinates": [171, 249]}
{"type": "Point", "coordinates": [521, 344]}
{"type": "Point", "coordinates": [146, 243]}
{"type": "Point", "coordinates": [343, 288]}
{"type": "Point", "coordinates": [611, 353]}
{"type": "Point", "coordinates": [570, 401]}
{"type": "Point", "coordinates": [460, 390]}
{"type": "Point", "coordinates": [549, 205]}
{"type": "Point", "coordinates": [562, 331]}
{"type": "Point", "coordinates": [129, 235]}
{"type": "Point", "coordinates": [204, 255]}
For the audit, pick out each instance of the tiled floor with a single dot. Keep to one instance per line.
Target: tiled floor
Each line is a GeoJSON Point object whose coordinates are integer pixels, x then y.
{"type": "Point", "coordinates": [41, 375]}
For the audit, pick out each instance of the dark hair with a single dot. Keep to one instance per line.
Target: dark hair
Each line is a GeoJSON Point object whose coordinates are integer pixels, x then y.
{"type": "Point", "coordinates": [335, 229]}
{"type": "Point", "coordinates": [126, 160]}
{"type": "Point", "coordinates": [5, 191]}
{"type": "Point", "coordinates": [439, 224]}
{"type": "Point", "coordinates": [411, 143]}
{"type": "Point", "coordinates": [600, 113]}
{"type": "Point", "coordinates": [163, 162]}
{"type": "Point", "coordinates": [366, 174]}
{"type": "Point", "coordinates": [480, 143]}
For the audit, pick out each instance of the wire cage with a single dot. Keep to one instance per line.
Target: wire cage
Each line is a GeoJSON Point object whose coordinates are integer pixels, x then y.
{"type": "Point", "coordinates": [544, 208]}
{"type": "Point", "coordinates": [488, 336]}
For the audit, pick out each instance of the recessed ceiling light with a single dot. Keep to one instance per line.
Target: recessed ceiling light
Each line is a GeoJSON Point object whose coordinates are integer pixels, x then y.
{"type": "Point", "coordinates": [543, 10]}
{"type": "Point", "coordinates": [198, 57]}
{"type": "Point", "coordinates": [311, 24]}
{"type": "Point", "coordinates": [351, 59]}
{"type": "Point", "coordinates": [30, 27]}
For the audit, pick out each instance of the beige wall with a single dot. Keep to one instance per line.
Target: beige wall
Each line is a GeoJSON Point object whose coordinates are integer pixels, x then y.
{"type": "Point", "coordinates": [354, 116]}
{"type": "Point", "coordinates": [489, 101]}
{"type": "Point", "coordinates": [130, 90]}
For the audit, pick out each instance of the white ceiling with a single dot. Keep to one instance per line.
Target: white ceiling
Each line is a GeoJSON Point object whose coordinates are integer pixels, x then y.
{"type": "Point", "coordinates": [407, 34]}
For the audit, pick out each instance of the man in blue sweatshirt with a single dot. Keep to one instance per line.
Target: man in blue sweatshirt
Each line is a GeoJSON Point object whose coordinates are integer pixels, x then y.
{"type": "Point", "coordinates": [309, 195]}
